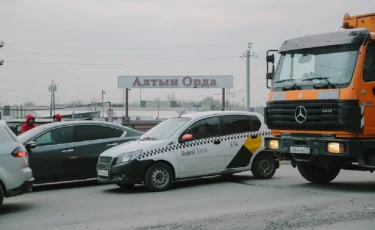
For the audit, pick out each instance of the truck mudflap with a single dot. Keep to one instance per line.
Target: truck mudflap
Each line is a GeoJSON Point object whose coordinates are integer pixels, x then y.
{"type": "Point", "coordinates": [309, 150]}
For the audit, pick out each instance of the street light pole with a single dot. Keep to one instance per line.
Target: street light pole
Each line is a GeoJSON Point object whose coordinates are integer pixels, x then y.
{"type": "Point", "coordinates": [158, 108]}
{"type": "Point", "coordinates": [52, 89]}
{"type": "Point", "coordinates": [1, 45]}
{"type": "Point", "coordinates": [103, 103]}
{"type": "Point", "coordinates": [248, 55]}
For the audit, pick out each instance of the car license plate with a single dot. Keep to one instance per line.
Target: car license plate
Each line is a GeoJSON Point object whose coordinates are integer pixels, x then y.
{"type": "Point", "coordinates": [103, 173]}
{"type": "Point", "coordinates": [301, 150]}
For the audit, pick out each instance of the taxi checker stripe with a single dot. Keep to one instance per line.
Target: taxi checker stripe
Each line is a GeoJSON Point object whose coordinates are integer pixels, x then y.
{"type": "Point", "coordinates": [169, 148]}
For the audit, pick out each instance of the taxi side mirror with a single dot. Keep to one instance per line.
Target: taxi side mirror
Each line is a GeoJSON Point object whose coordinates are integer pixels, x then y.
{"type": "Point", "coordinates": [186, 137]}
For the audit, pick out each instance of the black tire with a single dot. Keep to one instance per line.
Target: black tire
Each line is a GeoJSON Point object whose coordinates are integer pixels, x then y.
{"type": "Point", "coordinates": [125, 186]}
{"type": "Point", "coordinates": [317, 175]}
{"type": "Point", "coordinates": [264, 166]}
{"type": "Point", "coordinates": [1, 195]}
{"type": "Point", "coordinates": [159, 177]}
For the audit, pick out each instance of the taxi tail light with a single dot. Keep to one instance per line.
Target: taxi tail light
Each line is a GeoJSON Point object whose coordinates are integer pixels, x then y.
{"type": "Point", "coordinates": [20, 152]}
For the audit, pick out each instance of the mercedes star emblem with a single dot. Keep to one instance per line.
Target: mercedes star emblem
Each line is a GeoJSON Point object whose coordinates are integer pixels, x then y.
{"type": "Point", "coordinates": [300, 114]}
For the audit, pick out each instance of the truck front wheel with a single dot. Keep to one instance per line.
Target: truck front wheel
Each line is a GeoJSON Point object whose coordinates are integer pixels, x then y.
{"type": "Point", "coordinates": [317, 175]}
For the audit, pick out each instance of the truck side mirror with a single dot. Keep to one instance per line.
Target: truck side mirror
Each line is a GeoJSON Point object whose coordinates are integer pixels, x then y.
{"type": "Point", "coordinates": [269, 76]}
{"type": "Point", "coordinates": [270, 58]}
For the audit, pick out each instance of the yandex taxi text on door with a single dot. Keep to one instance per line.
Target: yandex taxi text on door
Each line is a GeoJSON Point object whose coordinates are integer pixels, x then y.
{"type": "Point", "coordinates": [193, 152]}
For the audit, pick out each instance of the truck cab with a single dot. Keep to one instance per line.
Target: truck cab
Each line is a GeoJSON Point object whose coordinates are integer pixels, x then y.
{"type": "Point", "coordinates": [321, 105]}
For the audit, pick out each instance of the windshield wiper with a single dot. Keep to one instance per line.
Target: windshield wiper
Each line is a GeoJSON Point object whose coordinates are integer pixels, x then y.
{"type": "Point", "coordinates": [328, 83]}
{"type": "Point", "coordinates": [294, 86]}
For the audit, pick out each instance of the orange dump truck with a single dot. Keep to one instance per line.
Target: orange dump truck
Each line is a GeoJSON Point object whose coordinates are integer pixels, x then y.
{"type": "Point", "coordinates": [321, 105]}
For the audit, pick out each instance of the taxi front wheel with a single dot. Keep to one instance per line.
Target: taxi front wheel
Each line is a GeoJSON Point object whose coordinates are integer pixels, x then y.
{"type": "Point", "coordinates": [159, 177]}
{"type": "Point", "coordinates": [264, 166]}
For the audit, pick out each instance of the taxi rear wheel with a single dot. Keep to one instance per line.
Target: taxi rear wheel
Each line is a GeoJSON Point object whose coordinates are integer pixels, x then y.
{"type": "Point", "coordinates": [264, 166]}
{"type": "Point", "coordinates": [159, 177]}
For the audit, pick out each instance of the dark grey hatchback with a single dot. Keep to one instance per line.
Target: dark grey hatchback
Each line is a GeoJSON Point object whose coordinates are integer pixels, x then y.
{"type": "Point", "coordinates": [65, 151]}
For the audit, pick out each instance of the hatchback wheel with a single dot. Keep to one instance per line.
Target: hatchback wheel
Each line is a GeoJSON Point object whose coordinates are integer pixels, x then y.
{"type": "Point", "coordinates": [159, 177]}
{"type": "Point", "coordinates": [264, 166]}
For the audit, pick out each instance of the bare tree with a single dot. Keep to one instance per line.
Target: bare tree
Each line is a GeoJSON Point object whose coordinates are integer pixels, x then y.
{"type": "Point", "coordinates": [94, 104]}
{"type": "Point", "coordinates": [29, 104]}
{"type": "Point", "coordinates": [76, 103]}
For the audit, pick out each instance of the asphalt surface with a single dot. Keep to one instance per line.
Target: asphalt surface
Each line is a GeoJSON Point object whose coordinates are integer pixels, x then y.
{"type": "Point", "coordinates": [286, 201]}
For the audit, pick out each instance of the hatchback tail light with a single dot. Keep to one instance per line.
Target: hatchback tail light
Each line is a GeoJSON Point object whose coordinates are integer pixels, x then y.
{"type": "Point", "coordinates": [20, 152]}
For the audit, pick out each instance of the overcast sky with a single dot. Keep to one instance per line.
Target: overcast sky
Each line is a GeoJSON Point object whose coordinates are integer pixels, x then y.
{"type": "Point", "coordinates": [84, 44]}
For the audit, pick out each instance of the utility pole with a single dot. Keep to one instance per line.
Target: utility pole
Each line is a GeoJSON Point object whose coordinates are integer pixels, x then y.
{"type": "Point", "coordinates": [248, 55]}
{"type": "Point", "coordinates": [103, 103]}
{"type": "Point", "coordinates": [158, 108]}
{"type": "Point", "coordinates": [1, 45]}
{"type": "Point", "coordinates": [52, 89]}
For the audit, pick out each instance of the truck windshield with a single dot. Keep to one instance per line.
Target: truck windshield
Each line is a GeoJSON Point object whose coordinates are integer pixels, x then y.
{"type": "Point", "coordinates": [329, 66]}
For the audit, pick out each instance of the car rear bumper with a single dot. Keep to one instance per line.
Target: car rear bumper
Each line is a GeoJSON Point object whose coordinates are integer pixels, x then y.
{"type": "Point", "coordinates": [24, 188]}
{"type": "Point", "coordinates": [128, 173]}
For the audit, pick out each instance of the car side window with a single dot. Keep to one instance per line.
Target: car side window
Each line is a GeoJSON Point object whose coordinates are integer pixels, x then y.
{"type": "Point", "coordinates": [95, 132]}
{"type": "Point", "coordinates": [56, 136]}
{"type": "Point", "coordinates": [255, 123]}
{"type": "Point", "coordinates": [236, 124]}
{"type": "Point", "coordinates": [206, 128]}
{"type": "Point", "coordinates": [369, 65]}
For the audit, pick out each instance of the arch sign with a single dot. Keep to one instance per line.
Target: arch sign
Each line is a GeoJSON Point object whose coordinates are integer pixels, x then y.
{"type": "Point", "coordinates": [196, 81]}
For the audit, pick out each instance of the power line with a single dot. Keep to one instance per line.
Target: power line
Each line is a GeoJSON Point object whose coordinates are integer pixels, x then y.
{"type": "Point", "coordinates": [127, 48]}
{"type": "Point", "coordinates": [231, 92]}
{"type": "Point", "coordinates": [78, 56]}
{"type": "Point", "coordinates": [122, 58]}
{"type": "Point", "coordinates": [59, 108]}
{"type": "Point", "coordinates": [119, 64]}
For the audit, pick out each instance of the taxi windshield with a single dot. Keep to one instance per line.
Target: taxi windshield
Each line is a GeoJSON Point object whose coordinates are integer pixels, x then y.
{"type": "Point", "coordinates": [165, 129]}
{"type": "Point", "coordinates": [333, 66]}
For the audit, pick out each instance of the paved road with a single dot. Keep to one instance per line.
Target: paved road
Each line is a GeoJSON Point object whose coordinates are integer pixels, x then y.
{"type": "Point", "coordinates": [284, 202]}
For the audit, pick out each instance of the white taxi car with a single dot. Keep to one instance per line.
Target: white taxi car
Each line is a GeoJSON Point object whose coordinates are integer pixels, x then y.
{"type": "Point", "coordinates": [191, 145]}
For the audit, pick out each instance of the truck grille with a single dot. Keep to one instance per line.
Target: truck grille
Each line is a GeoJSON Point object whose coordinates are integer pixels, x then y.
{"type": "Point", "coordinates": [320, 115]}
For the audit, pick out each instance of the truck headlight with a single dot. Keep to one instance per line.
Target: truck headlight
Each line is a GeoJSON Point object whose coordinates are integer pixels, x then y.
{"type": "Point", "coordinates": [335, 147]}
{"type": "Point", "coordinates": [273, 144]}
{"type": "Point", "coordinates": [126, 157]}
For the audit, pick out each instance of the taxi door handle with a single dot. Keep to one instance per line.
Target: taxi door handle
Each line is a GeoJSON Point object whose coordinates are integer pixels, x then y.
{"type": "Point", "coordinates": [216, 142]}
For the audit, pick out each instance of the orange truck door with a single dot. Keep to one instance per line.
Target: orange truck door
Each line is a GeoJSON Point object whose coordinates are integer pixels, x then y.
{"type": "Point", "coordinates": [367, 91]}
